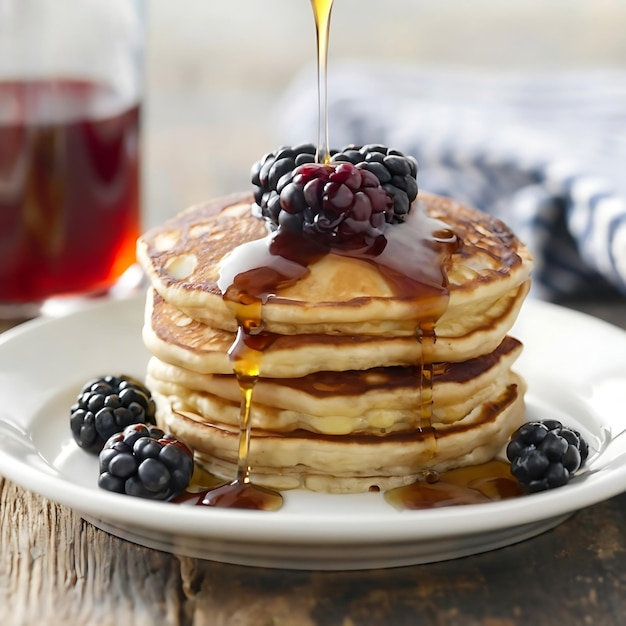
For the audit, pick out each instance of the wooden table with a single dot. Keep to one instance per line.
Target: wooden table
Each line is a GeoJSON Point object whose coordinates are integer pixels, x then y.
{"type": "Point", "coordinates": [56, 568]}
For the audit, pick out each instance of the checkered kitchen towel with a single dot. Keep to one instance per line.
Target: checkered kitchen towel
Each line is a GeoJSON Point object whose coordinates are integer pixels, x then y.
{"type": "Point", "coordinates": [545, 153]}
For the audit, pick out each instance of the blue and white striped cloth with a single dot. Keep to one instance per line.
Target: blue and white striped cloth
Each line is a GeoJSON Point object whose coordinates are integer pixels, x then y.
{"type": "Point", "coordinates": [545, 153]}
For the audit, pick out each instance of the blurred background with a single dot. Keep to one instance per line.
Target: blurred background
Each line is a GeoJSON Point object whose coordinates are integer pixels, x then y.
{"type": "Point", "coordinates": [217, 72]}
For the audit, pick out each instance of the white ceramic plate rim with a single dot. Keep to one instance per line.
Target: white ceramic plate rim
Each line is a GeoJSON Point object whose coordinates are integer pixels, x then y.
{"type": "Point", "coordinates": [298, 524]}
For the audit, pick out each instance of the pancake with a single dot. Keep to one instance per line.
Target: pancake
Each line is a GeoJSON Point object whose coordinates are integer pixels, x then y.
{"type": "Point", "coordinates": [350, 463]}
{"type": "Point", "coordinates": [340, 294]}
{"type": "Point", "coordinates": [178, 339]}
{"type": "Point", "coordinates": [214, 409]}
{"type": "Point", "coordinates": [378, 400]}
{"type": "Point", "coordinates": [367, 370]}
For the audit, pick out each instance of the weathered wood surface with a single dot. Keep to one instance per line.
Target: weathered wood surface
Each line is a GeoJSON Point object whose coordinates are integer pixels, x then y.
{"type": "Point", "coordinates": [56, 568]}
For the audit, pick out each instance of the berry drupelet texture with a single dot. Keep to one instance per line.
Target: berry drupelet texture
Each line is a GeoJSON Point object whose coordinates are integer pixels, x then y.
{"type": "Point", "coordinates": [545, 454]}
{"type": "Point", "coordinates": [107, 405]}
{"type": "Point", "coordinates": [337, 204]}
{"type": "Point", "coordinates": [273, 172]}
{"type": "Point", "coordinates": [395, 172]}
{"type": "Point", "coordinates": [143, 462]}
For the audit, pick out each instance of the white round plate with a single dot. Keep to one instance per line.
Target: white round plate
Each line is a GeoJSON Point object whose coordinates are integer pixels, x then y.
{"type": "Point", "coordinates": [575, 367]}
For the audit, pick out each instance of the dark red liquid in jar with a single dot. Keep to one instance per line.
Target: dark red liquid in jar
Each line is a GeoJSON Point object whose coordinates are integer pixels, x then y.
{"type": "Point", "coordinates": [69, 188]}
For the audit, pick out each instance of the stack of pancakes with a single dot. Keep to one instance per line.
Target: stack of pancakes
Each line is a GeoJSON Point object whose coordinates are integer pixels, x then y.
{"type": "Point", "coordinates": [340, 402]}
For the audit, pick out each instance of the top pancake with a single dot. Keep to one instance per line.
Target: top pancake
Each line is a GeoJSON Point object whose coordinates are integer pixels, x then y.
{"type": "Point", "coordinates": [340, 294]}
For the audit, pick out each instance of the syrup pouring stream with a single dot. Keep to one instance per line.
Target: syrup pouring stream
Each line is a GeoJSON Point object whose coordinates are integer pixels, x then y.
{"type": "Point", "coordinates": [252, 287]}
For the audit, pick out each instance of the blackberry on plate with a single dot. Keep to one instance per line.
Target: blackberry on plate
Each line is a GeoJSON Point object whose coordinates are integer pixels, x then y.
{"type": "Point", "coordinates": [143, 461]}
{"type": "Point", "coordinates": [338, 204]}
{"type": "Point", "coordinates": [396, 172]}
{"type": "Point", "coordinates": [545, 454]}
{"type": "Point", "coordinates": [107, 405]}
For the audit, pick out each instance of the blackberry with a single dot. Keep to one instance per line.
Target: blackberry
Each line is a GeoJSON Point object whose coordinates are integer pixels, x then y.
{"type": "Point", "coordinates": [144, 462]}
{"type": "Point", "coordinates": [396, 172]}
{"type": "Point", "coordinates": [338, 204]}
{"type": "Point", "coordinates": [107, 405]}
{"type": "Point", "coordinates": [545, 454]}
{"type": "Point", "coordinates": [273, 172]}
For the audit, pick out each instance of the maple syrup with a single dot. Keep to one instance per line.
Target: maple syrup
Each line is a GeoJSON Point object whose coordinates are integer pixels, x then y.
{"type": "Point", "coordinates": [425, 333]}
{"type": "Point", "coordinates": [487, 482]}
{"type": "Point", "coordinates": [248, 290]}
{"type": "Point", "coordinates": [414, 267]}
{"type": "Point", "coordinates": [245, 355]}
{"type": "Point", "coordinates": [321, 12]}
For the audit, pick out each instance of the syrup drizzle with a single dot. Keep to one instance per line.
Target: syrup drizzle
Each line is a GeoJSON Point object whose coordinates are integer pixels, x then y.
{"type": "Point", "coordinates": [425, 333]}
{"type": "Point", "coordinates": [321, 12]}
{"type": "Point", "coordinates": [246, 359]}
{"type": "Point", "coordinates": [245, 354]}
{"type": "Point", "coordinates": [255, 271]}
